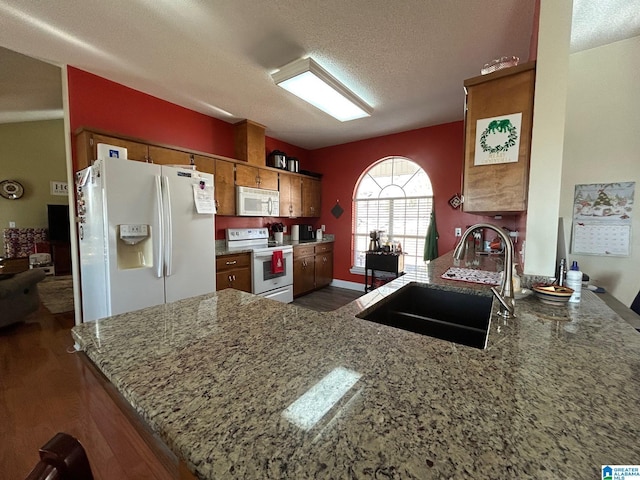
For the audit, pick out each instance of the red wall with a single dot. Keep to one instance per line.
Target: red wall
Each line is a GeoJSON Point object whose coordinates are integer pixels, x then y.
{"type": "Point", "coordinates": [96, 102]}
{"type": "Point", "coordinates": [301, 154]}
{"type": "Point", "coordinates": [438, 150]}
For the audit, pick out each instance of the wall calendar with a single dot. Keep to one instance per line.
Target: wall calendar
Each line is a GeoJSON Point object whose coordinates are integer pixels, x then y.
{"type": "Point", "coordinates": [602, 219]}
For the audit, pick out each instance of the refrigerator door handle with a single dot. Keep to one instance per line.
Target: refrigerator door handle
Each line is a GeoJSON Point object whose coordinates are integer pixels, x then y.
{"type": "Point", "coordinates": [168, 228]}
{"type": "Point", "coordinates": [160, 233]}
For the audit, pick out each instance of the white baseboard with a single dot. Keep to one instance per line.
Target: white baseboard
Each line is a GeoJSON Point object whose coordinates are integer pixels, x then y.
{"type": "Point", "coordinates": [347, 285]}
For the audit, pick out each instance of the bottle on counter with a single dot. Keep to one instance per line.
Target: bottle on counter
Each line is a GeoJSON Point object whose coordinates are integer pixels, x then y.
{"type": "Point", "coordinates": [574, 282]}
{"type": "Point", "coordinates": [562, 271]}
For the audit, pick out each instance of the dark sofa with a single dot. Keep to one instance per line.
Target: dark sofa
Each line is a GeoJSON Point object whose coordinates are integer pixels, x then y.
{"type": "Point", "coordinates": [19, 295]}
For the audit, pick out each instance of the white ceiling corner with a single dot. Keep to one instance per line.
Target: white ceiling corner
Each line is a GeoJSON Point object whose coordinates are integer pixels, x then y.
{"type": "Point", "coordinates": [406, 59]}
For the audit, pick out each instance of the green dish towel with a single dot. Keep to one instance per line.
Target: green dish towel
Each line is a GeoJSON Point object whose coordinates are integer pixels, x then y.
{"type": "Point", "coordinates": [431, 242]}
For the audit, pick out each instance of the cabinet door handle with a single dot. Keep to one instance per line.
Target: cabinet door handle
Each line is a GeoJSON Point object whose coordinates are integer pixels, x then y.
{"type": "Point", "coordinates": [232, 263]}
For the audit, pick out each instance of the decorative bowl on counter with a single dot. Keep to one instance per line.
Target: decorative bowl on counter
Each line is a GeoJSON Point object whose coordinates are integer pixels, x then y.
{"type": "Point", "coordinates": [553, 294]}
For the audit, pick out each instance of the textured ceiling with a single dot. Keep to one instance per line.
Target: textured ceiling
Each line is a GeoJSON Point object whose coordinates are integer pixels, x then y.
{"type": "Point", "coordinates": [29, 89]}
{"type": "Point", "coordinates": [407, 59]}
{"type": "Point", "coordinates": [600, 22]}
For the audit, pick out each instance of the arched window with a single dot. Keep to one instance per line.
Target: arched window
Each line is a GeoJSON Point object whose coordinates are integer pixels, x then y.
{"type": "Point", "coordinates": [393, 195]}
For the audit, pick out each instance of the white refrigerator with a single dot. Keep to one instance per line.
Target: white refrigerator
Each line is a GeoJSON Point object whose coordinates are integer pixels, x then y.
{"type": "Point", "coordinates": [146, 235]}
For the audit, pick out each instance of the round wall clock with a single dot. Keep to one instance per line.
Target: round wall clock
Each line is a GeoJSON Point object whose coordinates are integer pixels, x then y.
{"type": "Point", "coordinates": [11, 189]}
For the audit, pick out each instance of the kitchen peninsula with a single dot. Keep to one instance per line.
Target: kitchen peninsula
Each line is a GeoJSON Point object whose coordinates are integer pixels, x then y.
{"type": "Point", "coordinates": [220, 379]}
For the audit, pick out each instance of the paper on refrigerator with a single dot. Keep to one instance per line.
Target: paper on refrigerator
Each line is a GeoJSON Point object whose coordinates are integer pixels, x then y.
{"type": "Point", "coordinates": [203, 198]}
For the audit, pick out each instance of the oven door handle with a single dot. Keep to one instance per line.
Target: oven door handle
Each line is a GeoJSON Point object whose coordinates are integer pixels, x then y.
{"type": "Point", "coordinates": [270, 254]}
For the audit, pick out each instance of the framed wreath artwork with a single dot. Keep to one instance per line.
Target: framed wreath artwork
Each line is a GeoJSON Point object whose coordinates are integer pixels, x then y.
{"type": "Point", "coordinates": [498, 139]}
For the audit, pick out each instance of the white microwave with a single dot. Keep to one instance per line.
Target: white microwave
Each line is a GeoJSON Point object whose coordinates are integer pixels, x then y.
{"type": "Point", "coordinates": [257, 202]}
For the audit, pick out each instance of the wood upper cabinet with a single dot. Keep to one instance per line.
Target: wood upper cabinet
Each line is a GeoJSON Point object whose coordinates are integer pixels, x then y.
{"type": "Point", "coordinates": [249, 143]}
{"type": "Point", "coordinates": [300, 196]}
{"type": "Point", "coordinates": [311, 197]}
{"type": "Point", "coordinates": [490, 186]}
{"type": "Point", "coordinates": [204, 164]}
{"type": "Point", "coordinates": [87, 148]}
{"type": "Point", "coordinates": [250, 176]}
{"type": "Point", "coordinates": [224, 187]}
{"type": "Point", "coordinates": [290, 187]}
{"type": "Point", "coordinates": [168, 156]}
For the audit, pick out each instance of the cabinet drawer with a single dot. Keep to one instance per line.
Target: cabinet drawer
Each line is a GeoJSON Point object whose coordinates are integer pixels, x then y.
{"type": "Point", "coordinates": [227, 262]}
{"type": "Point", "coordinates": [324, 248]}
{"type": "Point", "coordinates": [303, 251]}
{"type": "Point", "coordinates": [240, 279]}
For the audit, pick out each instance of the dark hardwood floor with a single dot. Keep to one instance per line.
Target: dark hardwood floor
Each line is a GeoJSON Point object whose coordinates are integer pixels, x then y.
{"type": "Point", "coordinates": [44, 389]}
{"type": "Point", "coordinates": [328, 298]}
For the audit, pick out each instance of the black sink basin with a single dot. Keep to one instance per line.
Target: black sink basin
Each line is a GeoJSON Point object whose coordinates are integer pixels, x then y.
{"type": "Point", "coordinates": [454, 316]}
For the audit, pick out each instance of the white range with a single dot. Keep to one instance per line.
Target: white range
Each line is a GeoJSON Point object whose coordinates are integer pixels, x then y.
{"type": "Point", "coordinates": [264, 282]}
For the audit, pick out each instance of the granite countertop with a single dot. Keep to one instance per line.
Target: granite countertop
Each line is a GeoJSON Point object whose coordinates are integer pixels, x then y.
{"type": "Point", "coordinates": [554, 395]}
{"type": "Point", "coordinates": [221, 245]}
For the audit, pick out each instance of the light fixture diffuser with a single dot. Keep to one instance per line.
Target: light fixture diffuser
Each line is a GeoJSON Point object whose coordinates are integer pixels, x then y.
{"type": "Point", "coordinates": [312, 83]}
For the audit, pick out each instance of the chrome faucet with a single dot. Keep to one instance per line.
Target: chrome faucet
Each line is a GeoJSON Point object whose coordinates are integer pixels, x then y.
{"type": "Point", "coordinates": [505, 294]}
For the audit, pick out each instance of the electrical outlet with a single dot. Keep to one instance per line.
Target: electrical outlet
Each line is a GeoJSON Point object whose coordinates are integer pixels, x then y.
{"type": "Point", "coordinates": [284, 229]}
{"type": "Point", "coordinates": [458, 232]}
{"type": "Point", "coordinates": [12, 224]}
{"type": "Point", "coordinates": [323, 228]}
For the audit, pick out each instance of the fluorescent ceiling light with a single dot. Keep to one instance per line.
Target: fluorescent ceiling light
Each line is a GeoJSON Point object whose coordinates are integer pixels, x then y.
{"type": "Point", "coordinates": [312, 83]}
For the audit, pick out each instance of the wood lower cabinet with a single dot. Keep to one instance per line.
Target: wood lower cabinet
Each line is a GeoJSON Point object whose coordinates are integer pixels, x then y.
{"type": "Point", "coordinates": [234, 271]}
{"type": "Point", "coordinates": [304, 270]}
{"type": "Point", "coordinates": [312, 267]}
{"type": "Point", "coordinates": [311, 197]}
{"type": "Point", "coordinates": [493, 182]}
{"type": "Point", "coordinates": [324, 265]}
{"type": "Point", "coordinates": [290, 187]}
